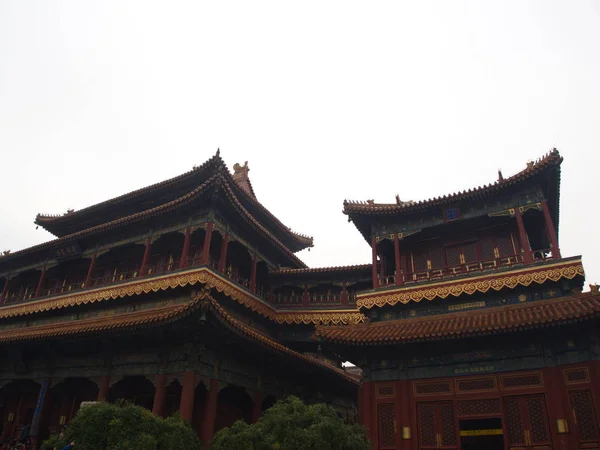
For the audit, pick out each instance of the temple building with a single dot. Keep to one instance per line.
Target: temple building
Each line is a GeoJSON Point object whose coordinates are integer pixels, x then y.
{"type": "Point", "coordinates": [173, 297]}
{"type": "Point", "coordinates": [478, 334]}
{"type": "Point", "coordinates": [468, 329]}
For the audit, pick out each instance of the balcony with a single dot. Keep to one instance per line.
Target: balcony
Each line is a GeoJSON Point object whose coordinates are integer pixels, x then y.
{"type": "Point", "coordinates": [24, 294]}
{"type": "Point", "coordinates": [467, 269]}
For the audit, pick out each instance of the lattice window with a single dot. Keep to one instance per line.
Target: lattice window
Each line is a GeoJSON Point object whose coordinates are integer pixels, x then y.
{"type": "Point", "coordinates": [453, 256]}
{"type": "Point", "coordinates": [470, 252]}
{"type": "Point", "coordinates": [585, 415]}
{"type": "Point", "coordinates": [448, 427]}
{"type": "Point", "coordinates": [574, 376]}
{"type": "Point", "coordinates": [515, 382]}
{"type": "Point", "coordinates": [514, 421]}
{"type": "Point", "coordinates": [436, 255]}
{"type": "Point", "coordinates": [433, 388]}
{"type": "Point", "coordinates": [538, 419]}
{"type": "Point", "coordinates": [483, 407]}
{"type": "Point", "coordinates": [477, 384]}
{"type": "Point", "coordinates": [420, 258]}
{"type": "Point", "coordinates": [387, 425]}
{"type": "Point", "coordinates": [486, 247]}
{"type": "Point", "coordinates": [385, 391]}
{"type": "Point", "coordinates": [427, 434]}
{"type": "Point", "coordinates": [505, 246]}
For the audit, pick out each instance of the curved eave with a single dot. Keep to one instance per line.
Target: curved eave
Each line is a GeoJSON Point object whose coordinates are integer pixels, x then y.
{"type": "Point", "coordinates": [214, 181]}
{"type": "Point", "coordinates": [361, 213]}
{"type": "Point", "coordinates": [55, 223]}
{"type": "Point", "coordinates": [504, 319]}
{"type": "Point", "coordinates": [341, 270]}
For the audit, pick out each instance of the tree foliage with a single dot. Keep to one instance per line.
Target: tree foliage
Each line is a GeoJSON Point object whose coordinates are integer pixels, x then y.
{"type": "Point", "coordinates": [124, 426]}
{"type": "Point", "coordinates": [292, 425]}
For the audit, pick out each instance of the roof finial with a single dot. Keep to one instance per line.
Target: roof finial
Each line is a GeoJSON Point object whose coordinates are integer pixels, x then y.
{"type": "Point", "coordinates": [218, 152]}
{"type": "Point", "coordinates": [397, 199]}
{"type": "Point", "coordinates": [500, 177]}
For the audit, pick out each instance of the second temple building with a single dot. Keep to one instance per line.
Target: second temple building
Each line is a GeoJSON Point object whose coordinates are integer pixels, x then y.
{"type": "Point", "coordinates": [469, 329]}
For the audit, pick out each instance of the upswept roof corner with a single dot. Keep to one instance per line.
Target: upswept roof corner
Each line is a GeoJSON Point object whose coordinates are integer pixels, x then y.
{"type": "Point", "coordinates": [218, 179]}
{"type": "Point", "coordinates": [369, 207]}
{"type": "Point", "coordinates": [46, 219]}
{"type": "Point", "coordinates": [56, 224]}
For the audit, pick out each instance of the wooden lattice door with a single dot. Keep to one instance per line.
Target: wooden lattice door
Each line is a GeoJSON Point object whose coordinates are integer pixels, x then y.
{"type": "Point", "coordinates": [527, 424]}
{"type": "Point", "coordinates": [386, 426]}
{"type": "Point", "coordinates": [585, 418]}
{"type": "Point", "coordinates": [437, 426]}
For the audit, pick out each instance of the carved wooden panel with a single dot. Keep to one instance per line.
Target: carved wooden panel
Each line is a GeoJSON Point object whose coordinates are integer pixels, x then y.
{"type": "Point", "coordinates": [476, 384]}
{"type": "Point", "coordinates": [386, 425]}
{"type": "Point", "coordinates": [584, 415]}
{"type": "Point", "coordinates": [538, 419]}
{"type": "Point", "coordinates": [578, 375]}
{"type": "Point", "coordinates": [443, 387]}
{"type": "Point", "coordinates": [427, 431]}
{"type": "Point", "coordinates": [527, 421]}
{"type": "Point", "coordinates": [514, 421]}
{"type": "Point", "coordinates": [480, 407]}
{"type": "Point", "coordinates": [522, 381]}
{"type": "Point", "coordinates": [448, 425]}
{"type": "Point", "coordinates": [386, 390]}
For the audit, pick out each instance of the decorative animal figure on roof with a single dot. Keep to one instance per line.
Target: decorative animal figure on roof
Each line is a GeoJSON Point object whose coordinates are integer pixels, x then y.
{"type": "Point", "coordinates": [242, 170]}
{"type": "Point", "coordinates": [406, 203]}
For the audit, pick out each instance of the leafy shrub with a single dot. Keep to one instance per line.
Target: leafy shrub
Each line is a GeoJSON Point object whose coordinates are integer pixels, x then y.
{"type": "Point", "coordinates": [124, 426]}
{"type": "Point", "coordinates": [292, 425]}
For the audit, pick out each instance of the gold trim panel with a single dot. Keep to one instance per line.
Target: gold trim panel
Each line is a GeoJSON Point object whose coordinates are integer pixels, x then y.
{"type": "Point", "coordinates": [203, 276]}
{"type": "Point", "coordinates": [472, 285]}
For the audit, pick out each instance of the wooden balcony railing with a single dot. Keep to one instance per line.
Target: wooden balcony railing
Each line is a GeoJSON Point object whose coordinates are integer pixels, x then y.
{"type": "Point", "coordinates": [464, 269]}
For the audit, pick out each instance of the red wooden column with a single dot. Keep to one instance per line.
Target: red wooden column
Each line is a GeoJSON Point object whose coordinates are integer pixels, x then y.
{"type": "Point", "coordinates": [253, 273]}
{"type": "Point", "coordinates": [103, 387]}
{"type": "Point", "coordinates": [398, 278]}
{"type": "Point", "coordinates": [186, 248]}
{"type": "Point", "coordinates": [146, 257]}
{"type": "Point", "coordinates": [524, 241]}
{"type": "Point", "coordinates": [160, 394]}
{"type": "Point", "coordinates": [206, 246]}
{"type": "Point", "coordinates": [4, 290]}
{"type": "Point", "coordinates": [551, 230]}
{"type": "Point", "coordinates": [90, 272]}
{"type": "Point", "coordinates": [368, 410]}
{"type": "Point", "coordinates": [186, 406]}
{"type": "Point", "coordinates": [374, 253]}
{"type": "Point", "coordinates": [556, 398]}
{"type": "Point", "coordinates": [344, 294]}
{"type": "Point", "coordinates": [305, 296]}
{"type": "Point", "coordinates": [38, 289]}
{"type": "Point", "coordinates": [223, 255]}
{"type": "Point", "coordinates": [210, 412]}
{"type": "Point", "coordinates": [257, 400]}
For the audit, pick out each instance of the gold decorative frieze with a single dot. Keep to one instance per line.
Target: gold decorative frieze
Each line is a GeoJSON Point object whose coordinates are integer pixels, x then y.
{"type": "Point", "coordinates": [471, 285]}
{"type": "Point", "coordinates": [203, 276]}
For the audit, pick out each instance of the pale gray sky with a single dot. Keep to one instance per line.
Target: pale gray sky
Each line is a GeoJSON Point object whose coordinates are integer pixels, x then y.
{"type": "Point", "coordinates": [326, 100]}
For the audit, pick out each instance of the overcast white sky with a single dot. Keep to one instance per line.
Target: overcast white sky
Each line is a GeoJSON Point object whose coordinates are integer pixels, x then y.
{"type": "Point", "coordinates": [326, 100]}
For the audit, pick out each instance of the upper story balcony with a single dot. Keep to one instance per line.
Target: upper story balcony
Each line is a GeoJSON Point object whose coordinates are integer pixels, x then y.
{"type": "Point", "coordinates": [166, 254]}
{"type": "Point", "coordinates": [463, 269]}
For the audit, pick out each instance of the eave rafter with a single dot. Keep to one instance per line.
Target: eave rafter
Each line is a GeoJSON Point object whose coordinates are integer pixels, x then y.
{"type": "Point", "coordinates": [203, 276]}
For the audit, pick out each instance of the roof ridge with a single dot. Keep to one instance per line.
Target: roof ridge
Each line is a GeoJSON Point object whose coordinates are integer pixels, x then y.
{"type": "Point", "coordinates": [130, 194]}
{"type": "Point", "coordinates": [532, 166]}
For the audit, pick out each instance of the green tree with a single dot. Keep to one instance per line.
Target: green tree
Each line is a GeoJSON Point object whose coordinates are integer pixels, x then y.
{"type": "Point", "coordinates": [124, 426]}
{"type": "Point", "coordinates": [292, 425]}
